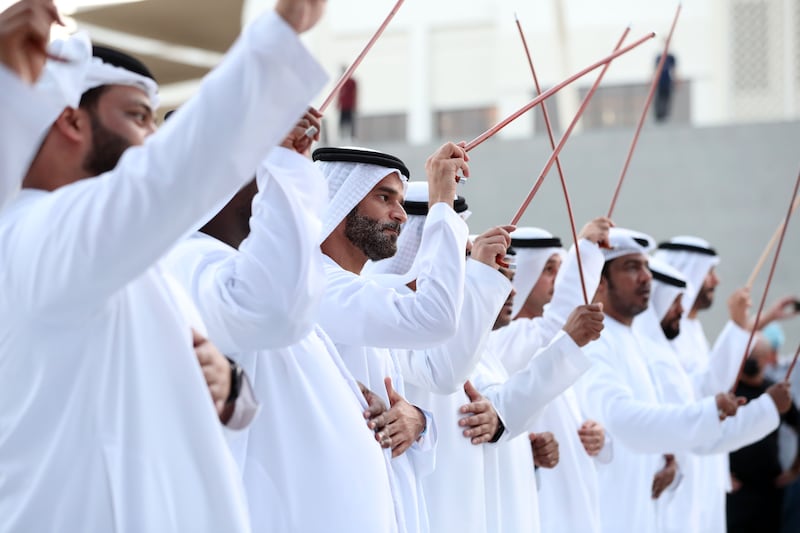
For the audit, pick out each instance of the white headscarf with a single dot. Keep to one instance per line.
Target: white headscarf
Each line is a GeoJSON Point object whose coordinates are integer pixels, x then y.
{"type": "Point", "coordinates": [625, 242]}
{"type": "Point", "coordinates": [83, 72]}
{"type": "Point", "coordinates": [694, 265]}
{"type": "Point", "coordinates": [348, 184]}
{"type": "Point", "coordinates": [529, 262]}
{"type": "Point", "coordinates": [662, 292]}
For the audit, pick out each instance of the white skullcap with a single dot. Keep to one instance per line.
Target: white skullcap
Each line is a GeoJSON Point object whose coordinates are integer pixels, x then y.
{"type": "Point", "coordinates": [349, 182]}
{"type": "Point", "coordinates": [416, 206]}
{"type": "Point", "coordinates": [667, 284]}
{"type": "Point", "coordinates": [625, 242]}
{"type": "Point", "coordinates": [693, 257]}
{"type": "Point", "coordinates": [533, 247]}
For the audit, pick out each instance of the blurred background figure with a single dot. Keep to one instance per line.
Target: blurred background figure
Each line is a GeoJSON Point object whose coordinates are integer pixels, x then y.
{"type": "Point", "coordinates": [666, 85]}
{"type": "Point", "coordinates": [347, 102]}
{"type": "Point", "coordinates": [759, 480]}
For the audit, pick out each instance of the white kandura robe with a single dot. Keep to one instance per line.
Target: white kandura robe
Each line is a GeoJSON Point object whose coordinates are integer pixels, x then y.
{"type": "Point", "coordinates": [569, 499]}
{"type": "Point", "coordinates": [509, 482]}
{"type": "Point", "coordinates": [257, 299]}
{"type": "Point", "coordinates": [682, 510]}
{"type": "Point", "coordinates": [712, 370]}
{"type": "Point", "coordinates": [365, 320]}
{"type": "Point", "coordinates": [516, 343]}
{"type": "Point", "coordinates": [107, 424]}
{"type": "Point", "coordinates": [27, 113]}
{"type": "Point", "coordinates": [619, 393]}
{"type": "Point", "coordinates": [434, 381]}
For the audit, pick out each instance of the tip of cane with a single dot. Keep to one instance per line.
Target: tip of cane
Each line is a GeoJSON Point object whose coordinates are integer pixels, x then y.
{"type": "Point", "coordinates": [515, 17]}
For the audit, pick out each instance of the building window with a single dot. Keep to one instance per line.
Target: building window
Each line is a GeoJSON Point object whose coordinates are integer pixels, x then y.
{"type": "Point", "coordinates": [463, 123]}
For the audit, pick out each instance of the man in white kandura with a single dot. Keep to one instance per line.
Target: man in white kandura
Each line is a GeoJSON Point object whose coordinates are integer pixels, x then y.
{"type": "Point", "coordinates": [108, 421]}
{"type": "Point", "coordinates": [682, 508]}
{"type": "Point", "coordinates": [568, 493]}
{"type": "Point", "coordinates": [619, 393]}
{"type": "Point", "coordinates": [435, 377]}
{"type": "Point", "coordinates": [250, 276]}
{"type": "Point", "coordinates": [710, 368]}
{"type": "Point", "coordinates": [365, 319]}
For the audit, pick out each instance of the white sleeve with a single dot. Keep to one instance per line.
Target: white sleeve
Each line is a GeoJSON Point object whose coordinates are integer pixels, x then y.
{"type": "Point", "coordinates": [96, 235]}
{"type": "Point", "coordinates": [27, 116]}
{"type": "Point", "coordinates": [517, 345]}
{"type": "Point", "coordinates": [266, 294]}
{"type": "Point", "coordinates": [357, 311]}
{"type": "Point", "coordinates": [521, 398]}
{"type": "Point", "coordinates": [444, 368]}
{"type": "Point", "coordinates": [643, 426]}
{"type": "Point", "coordinates": [719, 373]}
{"type": "Point", "coordinates": [752, 423]}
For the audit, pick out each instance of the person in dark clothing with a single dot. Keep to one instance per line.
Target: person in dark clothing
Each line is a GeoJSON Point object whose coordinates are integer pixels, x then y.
{"type": "Point", "coordinates": [347, 103]}
{"type": "Point", "coordinates": [665, 88]}
{"type": "Point", "coordinates": [756, 502]}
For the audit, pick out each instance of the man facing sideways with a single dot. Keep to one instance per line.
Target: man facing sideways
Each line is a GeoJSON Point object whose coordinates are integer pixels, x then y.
{"type": "Point", "coordinates": [108, 423]}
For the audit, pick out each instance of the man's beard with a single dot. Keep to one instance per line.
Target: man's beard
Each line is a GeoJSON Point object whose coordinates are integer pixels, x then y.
{"type": "Point", "coordinates": [704, 299]}
{"type": "Point", "coordinates": [368, 235]}
{"type": "Point", "coordinates": [671, 329]}
{"type": "Point", "coordinates": [107, 148]}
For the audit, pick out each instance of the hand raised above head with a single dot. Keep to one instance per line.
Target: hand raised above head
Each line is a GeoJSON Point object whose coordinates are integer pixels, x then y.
{"type": "Point", "coordinates": [302, 15]}
{"type": "Point", "coordinates": [442, 169]}
{"type": "Point", "coordinates": [24, 34]}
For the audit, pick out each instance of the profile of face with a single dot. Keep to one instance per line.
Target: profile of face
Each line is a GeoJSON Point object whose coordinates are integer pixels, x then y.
{"type": "Point", "coordinates": [504, 317]}
{"type": "Point", "coordinates": [705, 298]}
{"type": "Point", "coordinates": [671, 323]}
{"type": "Point", "coordinates": [542, 291]}
{"type": "Point", "coordinates": [626, 286]}
{"type": "Point", "coordinates": [373, 226]}
{"type": "Point", "coordinates": [119, 118]}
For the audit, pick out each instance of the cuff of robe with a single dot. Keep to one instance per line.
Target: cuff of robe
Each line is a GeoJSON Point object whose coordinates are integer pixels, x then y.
{"type": "Point", "coordinates": [607, 451]}
{"type": "Point", "coordinates": [246, 407]}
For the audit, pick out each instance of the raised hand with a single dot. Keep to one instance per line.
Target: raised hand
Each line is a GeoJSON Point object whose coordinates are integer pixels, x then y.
{"type": "Point", "coordinates": [781, 394]}
{"type": "Point", "coordinates": [585, 323]}
{"type": "Point", "coordinates": [728, 404]}
{"type": "Point", "coordinates": [491, 244]}
{"type": "Point", "coordinates": [596, 231]}
{"type": "Point", "coordinates": [24, 34]}
{"type": "Point", "coordinates": [442, 169]}
{"type": "Point", "coordinates": [297, 139]}
{"type": "Point", "coordinates": [301, 15]}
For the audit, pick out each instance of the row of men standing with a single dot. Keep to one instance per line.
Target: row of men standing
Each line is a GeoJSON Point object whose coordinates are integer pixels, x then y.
{"type": "Point", "coordinates": [375, 379]}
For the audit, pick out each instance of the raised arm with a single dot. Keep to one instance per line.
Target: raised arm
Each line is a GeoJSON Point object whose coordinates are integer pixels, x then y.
{"type": "Point", "coordinates": [358, 311]}
{"type": "Point", "coordinates": [266, 294]}
{"type": "Point", "coordinates": [96, 235]}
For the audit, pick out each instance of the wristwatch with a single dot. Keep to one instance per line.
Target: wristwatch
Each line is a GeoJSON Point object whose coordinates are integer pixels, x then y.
{"type": "Point", "coordinates": [501, 428]}
{"type": "Point", "coordinates": [237, 375]}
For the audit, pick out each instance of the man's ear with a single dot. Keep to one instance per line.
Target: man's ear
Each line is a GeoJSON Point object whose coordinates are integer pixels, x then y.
{"type": "Point", "coordinates": [73, 124]}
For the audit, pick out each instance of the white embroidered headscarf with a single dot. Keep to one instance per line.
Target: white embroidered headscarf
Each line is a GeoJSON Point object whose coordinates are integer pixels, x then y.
{"type": "Point", "coordinates": [532, 247]}
{"type": "Point", "coordinates": [693, 257]}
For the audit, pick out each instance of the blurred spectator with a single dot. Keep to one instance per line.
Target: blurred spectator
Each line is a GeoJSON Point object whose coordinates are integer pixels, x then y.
{"type": "Point", "coordinates": [665, 88]}
{"type": "Point", "coordinates": [759, 480]}
{"type": "Point", "coordinates": [347, 104]}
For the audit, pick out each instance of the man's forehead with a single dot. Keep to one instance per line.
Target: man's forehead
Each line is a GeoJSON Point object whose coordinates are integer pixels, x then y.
{"type": "Point", "coordinates": [128, 94]}
{"type": "Point", "coordinates": [390, 182]}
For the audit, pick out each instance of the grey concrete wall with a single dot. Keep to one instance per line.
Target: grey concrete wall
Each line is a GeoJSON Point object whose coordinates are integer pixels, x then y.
{"type": "Point", "coordinates": [729, 185]}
